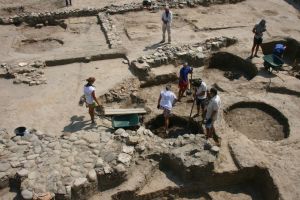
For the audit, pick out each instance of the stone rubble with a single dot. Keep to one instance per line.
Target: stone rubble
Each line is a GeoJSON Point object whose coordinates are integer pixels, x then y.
{"type": "Point", "coordinates": [49, 17]}
{"type": "Point", "coordinates": [72, 165]}
{"type": "Point", "coordinates": [194, 54]}
{"type": "Point", "coordinates": [126, 91]}
{"type": "Point", "coordinates": [27, 73]}
{"type": "Point", "coordinates": [109, 30]}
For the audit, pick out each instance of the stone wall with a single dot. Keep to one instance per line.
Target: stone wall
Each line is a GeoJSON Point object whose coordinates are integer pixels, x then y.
{"type": "Point", "coordinates": [27, 73]}
{"type": "Point", "coordinates": [38, 18]}
{"type": "Point", "coordinates": [75, 166]}
{"type": "Point", "coordinates": [195, 54]}
{"type": "Point", "coordinates": [109, 29]}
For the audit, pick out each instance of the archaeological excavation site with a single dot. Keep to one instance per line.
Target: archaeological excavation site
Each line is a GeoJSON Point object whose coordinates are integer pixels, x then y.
{"type": "Point", "coordinates": [57, 144]}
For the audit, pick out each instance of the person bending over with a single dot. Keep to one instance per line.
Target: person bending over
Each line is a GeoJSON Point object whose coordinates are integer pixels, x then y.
{"type": "Point", "coordinates": [166, 101]}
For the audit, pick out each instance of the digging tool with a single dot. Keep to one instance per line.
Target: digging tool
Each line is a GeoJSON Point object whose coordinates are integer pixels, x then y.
{"type": "Point", "coordinates": [194, 100]}
{"type": "Point", "coordinates": [188, 91]}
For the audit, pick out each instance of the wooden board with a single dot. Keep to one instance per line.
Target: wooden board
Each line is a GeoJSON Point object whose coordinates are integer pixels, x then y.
{"type": "Point", "coordinates": [119, 111]}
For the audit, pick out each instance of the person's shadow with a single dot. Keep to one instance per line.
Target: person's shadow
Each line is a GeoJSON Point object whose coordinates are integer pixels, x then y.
{"type": "Point", "coordinates": [78, 123]}
{"type": "Point", "coordinates": [153, 46]}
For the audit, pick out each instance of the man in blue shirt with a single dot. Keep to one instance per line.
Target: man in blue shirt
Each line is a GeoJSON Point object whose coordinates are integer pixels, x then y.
{"type": "Point", "coordinates": [183, 79]}
{"type": "Point", "coordinates": [279, 50]}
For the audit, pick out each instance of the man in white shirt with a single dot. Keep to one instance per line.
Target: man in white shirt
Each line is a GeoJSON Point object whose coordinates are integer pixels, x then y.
{"type": "Point", "coordinates": [166, 18]}
{"type": "Point", "coordinates": [200, 95]}
{"type": "Point", "coordinates": [212, 114]}
{"type": "Point", "coordinates": [166, 101]}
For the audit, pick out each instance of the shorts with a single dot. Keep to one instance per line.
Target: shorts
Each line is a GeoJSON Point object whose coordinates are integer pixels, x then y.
{"type": "Point", "coordinates": [257, 40]}
{"type": "Point", "coordinates": [166, 112]}
{"type": "Point", "coordinates": [93, 105]}
{"type": "Point", "coordinates": [183, 85]}
{"type": "Point", "coordinates": [201, 102]}
{"type": "Point", "coordinates": [209, 123]}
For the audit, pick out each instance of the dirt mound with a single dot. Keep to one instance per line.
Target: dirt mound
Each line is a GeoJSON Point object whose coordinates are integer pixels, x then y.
{"type": "Point", "coordinates": [258, 120]}
{"type": "Point", "coordinates": [36, 46]}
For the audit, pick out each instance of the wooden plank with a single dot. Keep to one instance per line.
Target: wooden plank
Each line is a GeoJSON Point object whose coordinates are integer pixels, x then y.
{"type": "Point", "coordinates": [119, 111]}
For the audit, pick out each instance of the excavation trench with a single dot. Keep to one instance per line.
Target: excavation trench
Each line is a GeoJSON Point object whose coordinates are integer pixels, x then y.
{"type": "Point", "coordinates": [292, 52]}
{"type": "Point", "coordinates": [178, 126]}
{"type": "Point", "coordinates": [247, 183]}
{"type": "Point", "coordinates": [257, 120]}
{"type": "Point", "coordinates": [234, 67]}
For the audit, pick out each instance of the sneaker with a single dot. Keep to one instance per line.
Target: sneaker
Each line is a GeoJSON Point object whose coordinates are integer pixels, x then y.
{"type": "Point", "coordinates": [256, 56]}
{"type": "Point", "coordinates": [163, 41]}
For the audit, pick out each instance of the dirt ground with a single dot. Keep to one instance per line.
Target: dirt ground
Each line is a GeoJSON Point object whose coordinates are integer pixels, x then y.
{"type": "Point", "coordinates": [53, 108]}
{"type": "Point", "coordinates": [10, 8]}
{"type": "Point", "coordinates": [255, 123]}
{"type": "Point", "coordinates": [81, 37]}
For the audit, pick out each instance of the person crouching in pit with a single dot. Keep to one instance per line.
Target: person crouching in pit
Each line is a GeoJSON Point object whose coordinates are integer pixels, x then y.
{"type": "Point", "coordinates": [166, 101]}
{"type": "Point", "coordinates": [90, 97]}
{"type": "Point", "coordinates": [212, 115]}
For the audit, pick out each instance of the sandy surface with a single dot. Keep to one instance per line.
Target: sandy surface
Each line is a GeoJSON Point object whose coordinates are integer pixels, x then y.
{"type": "Point", "coordinates": [255, 124]}
{"type": "Point", "coordinates": [53, 107]}
{"type": "Point", "coordinates": [82, 36]}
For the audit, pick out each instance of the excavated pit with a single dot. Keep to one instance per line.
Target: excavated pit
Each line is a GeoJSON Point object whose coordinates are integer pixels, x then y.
{"type": "Point", "coordinates": [257, 120]}
{"type": "Point", "coordinates": [292, 52]}
{"type": "Point", "coordinates": [40, 45]}
{"type": "Point", "coordinates": [178, 126]}
{"type": "Point", "coordinates": [234, 67]}
{"type": "Point", "coordinates": [244, 184]}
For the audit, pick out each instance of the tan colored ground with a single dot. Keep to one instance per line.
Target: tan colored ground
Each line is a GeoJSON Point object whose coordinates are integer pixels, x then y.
{"type": "Point", "coordinates": [53, 108]}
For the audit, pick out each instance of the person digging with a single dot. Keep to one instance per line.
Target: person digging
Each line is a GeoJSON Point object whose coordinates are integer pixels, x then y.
{"type": "Point", "coordinates": [90, 97]}
{"type": "Point", "coordinates": [183, 79]}
{"type": "Point", "coordinates": [212, 115]}
{"type": "Point", "coordinates": [201, 98]}
{"type": "Point", "coordinates": [166, 102]}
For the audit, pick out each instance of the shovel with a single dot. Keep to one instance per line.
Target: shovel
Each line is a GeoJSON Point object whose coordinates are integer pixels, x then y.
{"type": "Point", "coordinates": [190, 118]}
{"type": "Point", "coordinates": [188, 91]}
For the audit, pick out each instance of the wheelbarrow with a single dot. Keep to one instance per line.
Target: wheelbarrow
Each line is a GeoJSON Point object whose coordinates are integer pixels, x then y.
{"type": "Point", "coordinates": [124, 118]}
{"type": "Point", "coordinates": [272, 62]}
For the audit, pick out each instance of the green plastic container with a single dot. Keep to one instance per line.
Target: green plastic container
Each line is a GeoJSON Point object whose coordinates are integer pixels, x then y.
{"type": "Point", "coordinates": [123, 121]}
{"type": "Point", "coordinates": [273, 61]}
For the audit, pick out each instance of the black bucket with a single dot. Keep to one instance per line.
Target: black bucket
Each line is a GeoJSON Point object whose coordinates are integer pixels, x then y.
{"type": "Point", "coordinates": [21, 131]}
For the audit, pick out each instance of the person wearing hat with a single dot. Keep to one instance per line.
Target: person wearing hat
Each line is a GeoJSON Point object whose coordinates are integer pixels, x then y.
{"type": "Point", "coordinates": [166, 101]}
{"type": "Point", "coordinates": [212, 113]}
{"type": "Point", "coordinates": [90, 97]}
{"type": "Point", "coordinates": [166, 18]}
{"type": "Point", "coordinates": [200, 95]}
{"type": "Point", "coordinates": [258, 37]}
